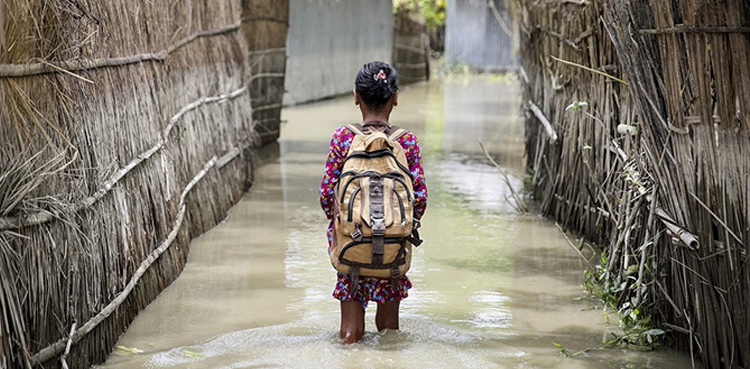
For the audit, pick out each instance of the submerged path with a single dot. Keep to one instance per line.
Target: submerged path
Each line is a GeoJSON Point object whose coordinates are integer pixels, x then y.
{"type": "Point", "coordinates": [492, 289]}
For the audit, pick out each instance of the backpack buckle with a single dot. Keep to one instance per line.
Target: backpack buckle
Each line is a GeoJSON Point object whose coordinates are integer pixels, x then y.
{"type": "Point", "coordinates": [378, 226]}
{"type": "Point", "coordinates": [357, 233]}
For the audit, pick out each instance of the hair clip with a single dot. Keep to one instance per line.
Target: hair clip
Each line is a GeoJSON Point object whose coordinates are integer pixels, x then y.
{"type": "Point", "coordinates": [380, 76]}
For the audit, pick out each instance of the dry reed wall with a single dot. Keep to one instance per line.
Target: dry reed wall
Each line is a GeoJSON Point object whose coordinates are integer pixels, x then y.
{"type": "Point", "coordinates": [411, 49]}
{"type": "Point", "coordinates": [125, 130]}
{"type": "Point", "coordinates": [655, 168]}
{"type": "Point", "coordinates": [265, 24]}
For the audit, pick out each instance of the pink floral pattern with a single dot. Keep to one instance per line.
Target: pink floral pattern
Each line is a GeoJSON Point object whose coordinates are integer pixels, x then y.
{"type": "Point", "coordinates": [370, 288]}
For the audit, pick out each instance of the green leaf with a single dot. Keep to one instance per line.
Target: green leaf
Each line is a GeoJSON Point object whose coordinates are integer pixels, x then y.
{"type": "Point", "coordinates": [193, 354]}
{"type": "Point", "coordinates": [130, 350]}
{"type": "Point", "coordinates": [654, 332]}
{"type": "Point", "coordinates": [575, 105]}
{"type": "Point", "coordinates": [563, 350]}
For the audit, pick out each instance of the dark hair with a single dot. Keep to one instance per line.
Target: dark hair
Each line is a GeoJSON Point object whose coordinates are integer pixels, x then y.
{"type": "Point", "coordinates": [376, 91]}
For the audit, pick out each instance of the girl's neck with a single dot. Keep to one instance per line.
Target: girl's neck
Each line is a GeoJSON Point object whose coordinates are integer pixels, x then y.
{"type": "Point", "coordinates": [369, 117]}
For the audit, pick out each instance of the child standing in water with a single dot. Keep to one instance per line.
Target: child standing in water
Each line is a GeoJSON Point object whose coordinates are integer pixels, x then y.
{"type": "Point", "coordinates": [376, 94]}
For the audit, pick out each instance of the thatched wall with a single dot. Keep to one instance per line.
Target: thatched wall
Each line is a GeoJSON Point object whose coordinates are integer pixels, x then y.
{"type": "Point", "coordinates": [124, 132]}
{"type": "Point", "coordinates": [411, 48]}
{"type": "Point", "coordinates": [265, 24]}
{"type": "Point", "coordinates": [666, 190]}
{"type": "Point", "coordinates": [570, 161]}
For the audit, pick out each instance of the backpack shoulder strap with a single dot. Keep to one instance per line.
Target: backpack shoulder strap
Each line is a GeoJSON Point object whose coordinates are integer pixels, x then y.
{"type": "Point", "coordinates": [395, 133]}
{"type": "Point", "coordinates": [356, 128]}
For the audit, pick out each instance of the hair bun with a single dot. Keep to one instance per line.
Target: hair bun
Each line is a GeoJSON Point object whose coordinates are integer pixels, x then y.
{"type": "Point", "coordinates": [376, 83]}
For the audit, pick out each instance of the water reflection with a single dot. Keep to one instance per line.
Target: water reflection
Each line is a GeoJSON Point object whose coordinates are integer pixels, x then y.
{"type": "Point", "coordinates": [490, 310]}
{"type": "Point", "coordinates": [493, 288]}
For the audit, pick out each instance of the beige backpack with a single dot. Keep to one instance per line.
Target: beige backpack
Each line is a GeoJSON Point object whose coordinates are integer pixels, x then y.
{"type": "Point", "coordinates": [374, 223]}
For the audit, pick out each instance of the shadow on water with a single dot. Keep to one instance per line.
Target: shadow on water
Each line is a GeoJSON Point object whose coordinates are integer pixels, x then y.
{"type": "Point", "coordinates": [492, 288]}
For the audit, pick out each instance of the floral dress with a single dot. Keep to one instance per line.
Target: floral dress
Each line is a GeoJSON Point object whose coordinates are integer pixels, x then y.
{"type": "Point", "coordinates": [370, 288]}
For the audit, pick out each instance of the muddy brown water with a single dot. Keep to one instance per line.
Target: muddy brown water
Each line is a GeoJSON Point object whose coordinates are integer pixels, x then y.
{"type": "Point", "coordinates": [492, 288]}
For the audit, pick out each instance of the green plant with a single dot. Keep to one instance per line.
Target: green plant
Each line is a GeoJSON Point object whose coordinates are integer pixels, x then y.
{"type": "Point", "coordinates": [638, 331]}
{"type": "Point", "coordinates": [433, 11]}
{"type": "Point", "coordinates": [563, 351]}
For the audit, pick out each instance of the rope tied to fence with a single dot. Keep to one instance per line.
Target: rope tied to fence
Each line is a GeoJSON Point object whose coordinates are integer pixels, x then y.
{"type": "Point", "coordinates": [70, 66]}
{"type": "Point", "coordinates": [41, 217]}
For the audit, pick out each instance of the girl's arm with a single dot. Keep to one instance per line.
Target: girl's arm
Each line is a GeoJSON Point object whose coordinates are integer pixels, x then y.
{"type": "Point", "coordinates": [337, 151]}
{"type": "Point", "coordinates": [414, 157]}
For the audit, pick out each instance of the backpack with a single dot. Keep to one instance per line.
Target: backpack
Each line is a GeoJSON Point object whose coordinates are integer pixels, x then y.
{"type": "Point", "coordinates": [374, 226]}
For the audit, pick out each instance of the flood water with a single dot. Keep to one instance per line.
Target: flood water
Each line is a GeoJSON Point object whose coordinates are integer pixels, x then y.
{"type": "Point", "coordinates": [492, 288]}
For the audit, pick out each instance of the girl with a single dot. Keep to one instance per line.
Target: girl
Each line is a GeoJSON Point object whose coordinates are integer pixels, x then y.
{"type": "Point", "coordinates": [376, 94]}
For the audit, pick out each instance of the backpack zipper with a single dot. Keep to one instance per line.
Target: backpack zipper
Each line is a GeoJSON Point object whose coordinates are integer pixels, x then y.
{"type": "Point", "coordinates": [401, 207]}
{"type": "Point", "coordinates": [379, 154]}
{"type": "Point", "coordinates": [403, 183]}
{"type": "Point", "coordinates": [393, 175]}
{"type": "Point", "coordinates": [351, 204]}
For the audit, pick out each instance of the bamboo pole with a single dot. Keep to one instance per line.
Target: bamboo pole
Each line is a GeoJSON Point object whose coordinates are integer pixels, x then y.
{"type": "Point", "coordinates": [687, 29]}
{"type": "Point", "coordinates": [67, 67]}
{"type": "Point", "coordinates": [64, 356]}
{"type": "Point", "coordinates": [544, 121]}
{"type": "Point", "coordinates": [589, 69]}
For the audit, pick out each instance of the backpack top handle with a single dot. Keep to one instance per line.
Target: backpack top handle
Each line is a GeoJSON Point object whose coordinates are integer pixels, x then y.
{"type": "Point", "coordinates": [393, 132]}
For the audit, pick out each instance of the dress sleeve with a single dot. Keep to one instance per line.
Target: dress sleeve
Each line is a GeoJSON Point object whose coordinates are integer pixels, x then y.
{"type": "Point", "coordinates": [414, 157]}
{"type": "Point", "coordinates": [337, 151]}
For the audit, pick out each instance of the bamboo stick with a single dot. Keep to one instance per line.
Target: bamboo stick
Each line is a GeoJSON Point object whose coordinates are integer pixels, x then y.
{"type": "Point", "coordinates": [573, 246]}
{"type": "Point", "coordinates": [266, 19]}
{"type": "Point", "coordinates": [67, 67]}
{"type": "Point", "coordinates": [589, 69]}
{"type": "Point", "coordinates": [544, 121]}
{"type": "Point", "coordinates": [499, 18]}
{"type": "Point", "coordinates": [688, 29]}
{"type": "Point", "coordinates": [690, 240]}
{"type": "Point", "coordinates": [64, 356]}
{"type": "Point", "coordinates": [267, 107]}
{"type": "Point", "coordinates": [259, 76]}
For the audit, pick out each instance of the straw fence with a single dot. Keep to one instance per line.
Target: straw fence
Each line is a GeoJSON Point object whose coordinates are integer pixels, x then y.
{"type": "Point", "coordinates": [265, 24]}
{"type": "Point", "coordinates": [125, 132]}
{"type": "Point", "coordinates": [411, 48]}
{"type": "Point", "coordinates": [654, 165]}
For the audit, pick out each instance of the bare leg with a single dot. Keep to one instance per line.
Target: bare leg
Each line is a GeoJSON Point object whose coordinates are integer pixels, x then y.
{"type": "Point", "coordinates": [352, 321]}
{"type": "Point", "coordinates": [387, 315]}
